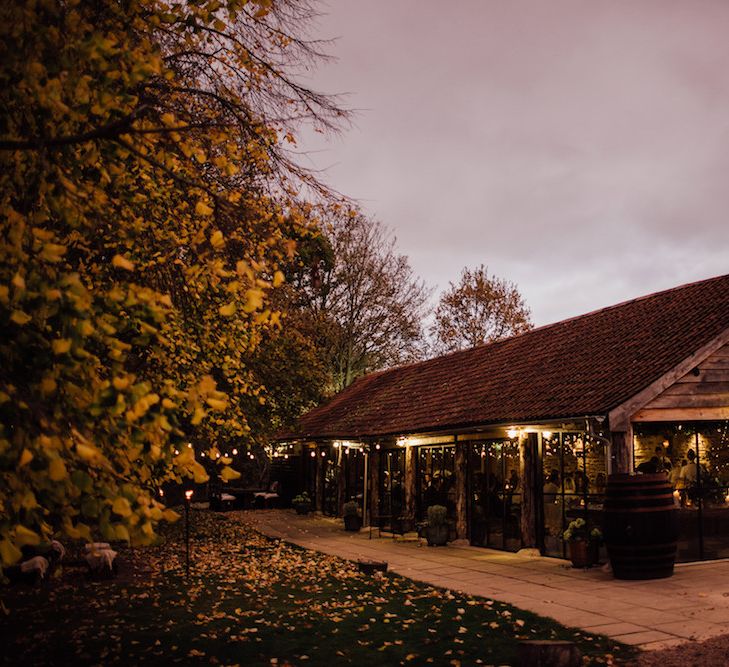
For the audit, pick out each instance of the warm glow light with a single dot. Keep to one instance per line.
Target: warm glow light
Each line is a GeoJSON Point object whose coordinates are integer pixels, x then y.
{"type": "Point", "coordinates": [377, 446]}
{"type": "Point", "coordinates": [161, 493]}
{"type": "Point", "coordinates": [336, 445]}
{"type": "Point", "coordinates": [546, 434]}
{"type": "Point", "coordinates": [512, 433]}
{"type": "Point", "coordinates": [235, 452]}
{"type": "Point", "coordinates": [313, 454]}
{"type": "Point", "coordinates": [189, 444]}
{"type": "Point", "coordinates": [286, 456]}
{"type": "Point", "coordinates": [177, 451]}
{"type": "Point", "coordinates": [188, 494]}
{"type": "Point", "coordinates": [323, 453]}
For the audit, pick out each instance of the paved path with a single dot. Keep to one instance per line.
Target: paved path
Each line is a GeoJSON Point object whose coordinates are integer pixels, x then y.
{"type": "Point", "coordinates": [693, 604]}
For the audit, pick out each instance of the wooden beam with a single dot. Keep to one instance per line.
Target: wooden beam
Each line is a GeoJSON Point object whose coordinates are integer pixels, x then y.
{"type": "Point", "coordinates": [620, 416]}
{"type": "Point", "coordinates": [461, 499]}
{"type": "Point", "coordinates": [714, 400]}
{"type": "Point", "coordinates": [528, 470]}
{"type": "Point", "coordinates": [410, 454]}
{"type": "Point", "coordinates": [704, 377]}
{"type": "Point", "coordinates": [681, 414]}
{"type": "Point", "coordinates": [621, 451]}
{"type": "Point", "coordinates": [374, 482]}
{"type": "Point", "coordinates": [696, 388]}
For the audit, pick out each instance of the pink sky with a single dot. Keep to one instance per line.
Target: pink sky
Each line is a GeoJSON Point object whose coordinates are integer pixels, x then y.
{"type": "Point", "coordinates": [579, 149]}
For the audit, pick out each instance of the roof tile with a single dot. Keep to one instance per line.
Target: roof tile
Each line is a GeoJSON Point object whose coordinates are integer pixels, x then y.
{"type": "Point", "coordinates": [581, 366]}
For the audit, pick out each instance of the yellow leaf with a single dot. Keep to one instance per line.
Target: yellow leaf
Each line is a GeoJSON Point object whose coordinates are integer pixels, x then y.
{"type": "Point", "coordinates": [121, 506]}
{"type": "Point", "coordinates": [243, 270]}
{"type": "Point", "coordinates": [228, 309]}
{"type": "Point", "coordinates": [29, 501]}
{"type": "Point", "coordinates": [121, 532]}
{"type": "Point", "coordinates": [120, 384]}
{"type": "Point", "coordinates": [61, 345]}
{"type": "Point", "coordinates": [278, 278]}
{"type": "Point", "coordinates": [48, 386]}
{"type": "Point", "coordinates": [170, 515]}
{"type": "Point", "coordinates": [21, 318]}
{"type": "Point", "coordinates": [86, 328]}
{"type": "Point", "coordinates": [53, 252]}
{"type": "Point", "coordinates": [87, 452]}
{"type": "Point", "coordinates": [201, 208]}
{"type": "Point", "coordinates": [25, 536]}
{"type": "Point", "coordinates": [199, 474]}
{"type": "Point", "coordinates": [121, 262]}
{"type": "Point", "coordinates": [254, 300]}
{"type": "Point", "coordinates": [71, 531]}
{"type": "Point", "coordinates": [25, 458]}
{"type": "Point", "coordinates": [216, 239]}
{"type": "Point", "coordinates": [57, 470]}
{"type": "Point", "coordinates": [216, 403]}
{"type": "Point", "coordinates": [9, 553]}
{"type": "Point", "coordinates": [198, 416]}
{"type": "Point", "coordinates": [228, 473]}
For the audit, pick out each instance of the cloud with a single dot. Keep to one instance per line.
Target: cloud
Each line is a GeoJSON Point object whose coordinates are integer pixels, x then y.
{"type": "Point", "coordinates": [579, 149]}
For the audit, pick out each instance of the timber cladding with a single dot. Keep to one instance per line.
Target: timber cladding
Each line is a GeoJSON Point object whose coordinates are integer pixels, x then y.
{"type": "Point", "coordinates": [700, 394]}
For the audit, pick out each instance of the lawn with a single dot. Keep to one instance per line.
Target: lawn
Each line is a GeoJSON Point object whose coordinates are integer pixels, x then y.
{"type": "Point", "coordinates": [255, 601]}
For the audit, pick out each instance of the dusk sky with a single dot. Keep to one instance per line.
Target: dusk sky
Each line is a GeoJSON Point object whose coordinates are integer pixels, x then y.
{"type": "Point", "coordinates": [579, 149]}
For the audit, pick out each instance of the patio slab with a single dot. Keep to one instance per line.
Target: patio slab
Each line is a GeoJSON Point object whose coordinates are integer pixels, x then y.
{"type": "Point", "coordinates": [694, 603]}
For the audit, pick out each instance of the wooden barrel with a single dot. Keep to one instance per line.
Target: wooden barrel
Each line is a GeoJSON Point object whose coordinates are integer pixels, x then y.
{"type": "Point", "coordinates": [640, 526]}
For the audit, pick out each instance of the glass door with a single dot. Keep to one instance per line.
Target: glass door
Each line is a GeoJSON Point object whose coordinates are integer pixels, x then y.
{"type": "Point", "coordinates": [495, 493]}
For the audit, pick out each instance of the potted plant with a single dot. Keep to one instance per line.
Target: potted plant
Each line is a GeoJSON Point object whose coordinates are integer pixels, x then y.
{"type": "Point", "coordinates": [352, 519]}
{"type": "Point", "coordinates": [302, 503]}
{"type": "Point", "coordinates": [583, 543]}
{"type": "Point", "coordinates": [436, 530]}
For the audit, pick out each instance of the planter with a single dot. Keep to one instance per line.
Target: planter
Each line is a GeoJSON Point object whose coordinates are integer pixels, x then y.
{"type": "Point", "coordinates": [582, 553]}
{"type": "Point", "coordinates": [640, 524]}
{"type": "Point", "coordinates": [352, 523]}
{"type": "Point", "coordinates": [437, 536]}
{"type": "Point", "coordinates": [302, 508]}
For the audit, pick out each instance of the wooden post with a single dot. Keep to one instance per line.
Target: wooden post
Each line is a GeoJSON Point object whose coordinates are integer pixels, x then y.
{"type": "Point", "coordinates": [461, 499]}
{"type": "Point", "coordinates": [374, 482]}
{"type": "Point", "coordinates": [621, 451]}
{"type": "Point", "coordinates": [341, 479]}
{"type": "Point", "coordinates": [528, 471]}
{"type": "Point", "coordinates": [410, 454]}
{"type": "Point", "coordinates": [319, 505]}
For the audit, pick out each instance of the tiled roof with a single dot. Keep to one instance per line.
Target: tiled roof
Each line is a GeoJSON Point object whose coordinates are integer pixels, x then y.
{"type": "Point", "coordinates": [586, 365]}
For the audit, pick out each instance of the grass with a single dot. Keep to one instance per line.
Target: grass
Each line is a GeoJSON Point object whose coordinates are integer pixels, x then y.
{"type": "Point", "coordinates": [255, 601]}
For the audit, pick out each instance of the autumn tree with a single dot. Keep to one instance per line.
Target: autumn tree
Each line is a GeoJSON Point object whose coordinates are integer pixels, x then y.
{"type": "Point", "coordinates": [355, 297]}
{"type": "Point", "coordinates": [479, 309]}
{"type": "Point", "coordinates": [146, 190]}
